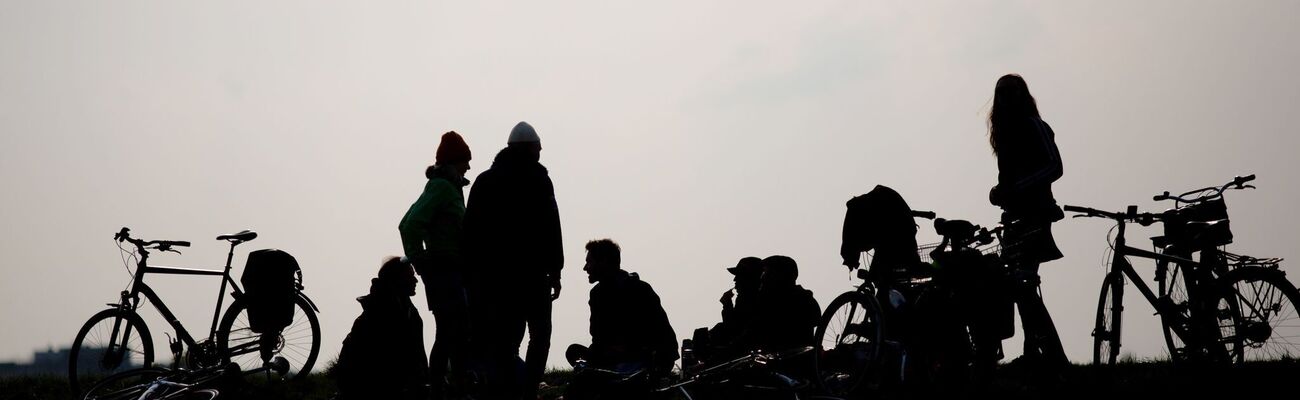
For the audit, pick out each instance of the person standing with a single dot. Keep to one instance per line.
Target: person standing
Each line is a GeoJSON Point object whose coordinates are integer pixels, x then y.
{"type": "Point", "coordinates": [1028, 163]}
{"type": "Point", "coordinates": [513, 230]}
{"type": "Point", "coordinates": [432, 238]}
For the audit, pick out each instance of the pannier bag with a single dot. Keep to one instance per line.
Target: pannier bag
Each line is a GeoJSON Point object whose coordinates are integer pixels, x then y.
{"type": "Point", "coordinates": [271, 281]}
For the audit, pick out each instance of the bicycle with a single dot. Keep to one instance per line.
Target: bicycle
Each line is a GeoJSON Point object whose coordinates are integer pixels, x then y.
{"type": "Point", "coordinates": [1225, 308]}
{"type": "Point", "coordinates": [851, 334]}
{"type": "Point", "coordinates": [755, 375]}
{"type": "Point", "coordinates": [179, 384]}
{"type": "Point", "coordinates": [117, 338]}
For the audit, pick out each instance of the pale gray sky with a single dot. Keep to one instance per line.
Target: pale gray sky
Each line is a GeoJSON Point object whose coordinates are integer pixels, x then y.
{"type": "Point", "coordinates": [693, 133]}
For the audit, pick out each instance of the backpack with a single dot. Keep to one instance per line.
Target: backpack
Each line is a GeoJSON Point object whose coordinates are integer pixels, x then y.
{"type": "Point", "coordinates": [271, 281]}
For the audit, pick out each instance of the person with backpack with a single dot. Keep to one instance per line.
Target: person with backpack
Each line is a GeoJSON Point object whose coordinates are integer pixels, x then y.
{"type": "Point", "coordinates": [383, 356]}
{"type": "Point", "coordinates": [1028, 163]}
{"type": "Point", "coordinates": [433, 240]}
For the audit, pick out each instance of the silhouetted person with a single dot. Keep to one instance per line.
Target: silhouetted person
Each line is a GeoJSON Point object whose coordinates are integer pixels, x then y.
{"type": "Point", "coordinates": [433, 239]}
{"type": "Point", "coordinates": [629, 329]}
{"type": "Point", "coordinates": [786, 315]}
{"type": "Point", "coordinates": [383, 356]}
{"type": "Point", "coordinates": [738, 308]}
{"type": "Point", "coordinates": [512, 225]}
{"type": "Point", "coordinates": [1028, 163]}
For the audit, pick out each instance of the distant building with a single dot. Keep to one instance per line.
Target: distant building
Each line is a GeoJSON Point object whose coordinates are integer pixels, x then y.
{"type": "Point", "coordinates": [53, 362]}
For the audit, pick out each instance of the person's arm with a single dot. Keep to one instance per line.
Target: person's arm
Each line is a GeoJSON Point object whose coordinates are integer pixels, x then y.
{"type": "Point", "coordinates": [664, 345]}
{"type": "Point", "coordinates": [553, 247]}
{"type": "Point", "coordinates": [1050, 169]}
{"type": "Point", "coordinates": [415, 224]}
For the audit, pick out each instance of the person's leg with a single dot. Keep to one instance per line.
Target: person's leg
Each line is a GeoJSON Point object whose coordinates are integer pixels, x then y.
{"type": "Point", "coordinates": [1041, 339]}
{"type": "Point", "coordinates": [446, 294]}
{"type": "Point", "coordinates": [539, 343]}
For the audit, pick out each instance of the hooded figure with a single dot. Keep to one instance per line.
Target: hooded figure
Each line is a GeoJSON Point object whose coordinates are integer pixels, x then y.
{"type": "Point", "coordinates": [383, 356]}
{"type": "Point", "coordinates": [787, 314]}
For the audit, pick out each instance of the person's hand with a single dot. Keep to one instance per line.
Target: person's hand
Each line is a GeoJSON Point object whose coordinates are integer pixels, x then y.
{"type": "Point", "coordinates": [726, 299]}
{"type": "Point", "coordinates": [555, 288]}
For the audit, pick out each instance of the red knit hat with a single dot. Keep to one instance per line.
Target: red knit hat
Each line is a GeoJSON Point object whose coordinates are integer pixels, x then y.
{"type": "Point", "coordinates": [453, 149]}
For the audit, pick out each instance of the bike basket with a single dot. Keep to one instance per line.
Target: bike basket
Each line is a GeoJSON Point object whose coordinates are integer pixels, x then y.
{"type": "Point", "coordinates": [271, 281]}
{"type": "Point", "coordinates": [1199, 225]}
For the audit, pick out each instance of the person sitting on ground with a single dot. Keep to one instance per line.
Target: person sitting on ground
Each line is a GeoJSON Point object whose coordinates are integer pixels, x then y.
{"type": "Point", "coordinates": [737, 311]}
{"type": "Point", "coordinates": [786, 315]}
{"type": "Point", "coordinates": [383, 356]}
{"type": "Point", "coordinates": [629, 328]}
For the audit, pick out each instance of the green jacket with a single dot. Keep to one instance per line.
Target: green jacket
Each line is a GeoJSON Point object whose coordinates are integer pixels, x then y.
{"type": "Point", "coordinates": [431, 229]}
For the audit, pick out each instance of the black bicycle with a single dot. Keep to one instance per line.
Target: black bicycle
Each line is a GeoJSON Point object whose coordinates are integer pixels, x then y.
{"type": "Point", "coordinates": [117, 339]}
{"type": "Point", "coordinates": [176, 384]}
{"type": "Point", "coordinates": [757, 375]}
{"type": "Point", "coordinates": [1222, 308]}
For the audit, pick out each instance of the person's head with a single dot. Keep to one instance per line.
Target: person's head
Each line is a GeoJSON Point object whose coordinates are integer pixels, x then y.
{"type": "Point", "coordinates": [1011, 103]}
{"type": "Point", "coordinates": [397, 275]}
{"type": "Point", "coordinates": [746, 274]}
{"type": "Point", "coordinates": [603, 258]}
{"type": "Point", "coordinates": [524, 139]}
{"type": "Point", "coordinates": [454, 153]}
{"type": "Point", "coordinates": [779, 272]}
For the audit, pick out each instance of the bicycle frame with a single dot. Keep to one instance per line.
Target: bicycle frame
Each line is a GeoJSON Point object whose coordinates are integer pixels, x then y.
{"type": "Point", "coordinates": [131, 300]}
{"type": "Point", "coordinates": [1120, 263]}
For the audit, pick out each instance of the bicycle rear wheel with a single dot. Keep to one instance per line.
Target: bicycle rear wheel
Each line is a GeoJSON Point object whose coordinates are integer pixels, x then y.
{"type": "Point", "coordinates": [111, 341]}
{"type": "Point", "coordinates": [1267, 326]}
{"type": "Point", "coordinates": [1106, 332]}
{"type": "Point", "coordinates": [848, 343]}
{"type": "Point", "coordinates": [299, 343]}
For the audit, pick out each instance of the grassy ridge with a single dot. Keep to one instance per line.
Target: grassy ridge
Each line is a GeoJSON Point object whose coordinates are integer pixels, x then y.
{"type": "Point", "coordinates": [1155, 380]}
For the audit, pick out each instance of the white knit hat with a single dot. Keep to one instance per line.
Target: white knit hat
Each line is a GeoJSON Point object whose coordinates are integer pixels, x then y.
{"type": "Point", "coordinates": [523, 133]}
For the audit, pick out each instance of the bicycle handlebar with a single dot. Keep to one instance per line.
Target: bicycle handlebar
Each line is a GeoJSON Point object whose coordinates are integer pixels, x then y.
{"type": "Point", "coordinates": [124, 235]}
{"type": "Point", "coordinates": [1236, 183]}
{"type": "Point", "coordinates": [923, 214]}
{"type": "Point", "coordinates": [1131, 214]}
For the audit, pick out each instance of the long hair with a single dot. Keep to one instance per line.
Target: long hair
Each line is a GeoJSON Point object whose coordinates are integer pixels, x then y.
{"type": "Point", "coordinates": [1011, 103]}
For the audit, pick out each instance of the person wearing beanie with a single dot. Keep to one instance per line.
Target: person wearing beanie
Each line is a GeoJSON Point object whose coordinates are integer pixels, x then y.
{"type": "Point", "coordinates": [383, 356]}
{"type": "Point", "coordinates": [787, 314]}
{"type": "Point", "coordinates": [512, 227]}
{"type": "Point", "coordinates": [433, 239]}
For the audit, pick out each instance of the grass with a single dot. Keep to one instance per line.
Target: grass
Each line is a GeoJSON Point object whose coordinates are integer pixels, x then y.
{"type": "Point", "coordinates": [1143, 379]}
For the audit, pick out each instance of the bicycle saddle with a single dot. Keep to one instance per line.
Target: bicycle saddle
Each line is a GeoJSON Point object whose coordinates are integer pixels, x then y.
{"type": "Point", "coordinates": [242, 236]}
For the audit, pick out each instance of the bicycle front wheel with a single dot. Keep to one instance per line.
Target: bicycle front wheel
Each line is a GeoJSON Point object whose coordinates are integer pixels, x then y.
{"type": "Point", "coordinates": [126, 385]}
{"type": "Point", "coordinates": [1267, 326]}
{"type": "Point", "coordinates": [848, 343]}
{"type": "Point", "coordinates": [1106, 332]}
{"type": "Point", "coordinates": [299, 343]}
{"type": "Point", "coordinates": [111, 341]}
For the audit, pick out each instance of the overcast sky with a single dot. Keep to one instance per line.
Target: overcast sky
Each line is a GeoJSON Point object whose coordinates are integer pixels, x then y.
{"type": "Point", "coordinates": [693, 133]}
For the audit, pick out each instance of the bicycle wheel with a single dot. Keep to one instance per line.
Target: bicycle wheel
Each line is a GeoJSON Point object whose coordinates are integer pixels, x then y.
{"type": "Point", "coordinates": [1106, 332]}
{"type": "Point", "coordinates": [111, 341]}
{"type": "Point", "coordinates": [130, 384]}
{"type": "Point", "coordinates": [848, 343]}
{"type": "Point", "coordinates": [1267, 327]}
{"type": "Point", "coordinates": [299, 343]}
{"type": "Point", "coordinates": [1173, 286]}
{"type": "Point", "coordinates": [1217, 326]}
